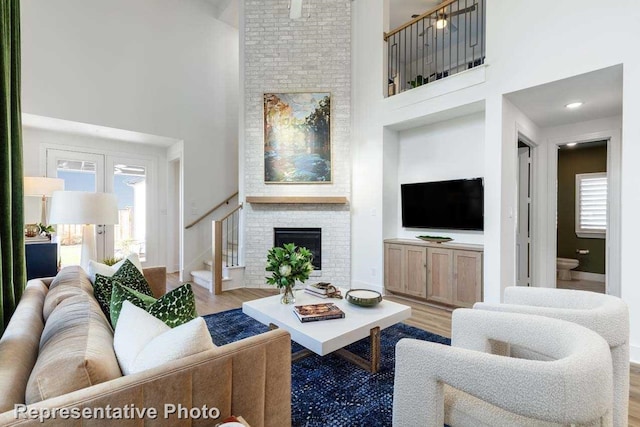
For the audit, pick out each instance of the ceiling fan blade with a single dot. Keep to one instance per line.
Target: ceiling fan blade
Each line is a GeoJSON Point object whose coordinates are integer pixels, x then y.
{"type": "Point", "coordinates": [452, 27]}
{"type": "Point", "coordinates": [461, 11]}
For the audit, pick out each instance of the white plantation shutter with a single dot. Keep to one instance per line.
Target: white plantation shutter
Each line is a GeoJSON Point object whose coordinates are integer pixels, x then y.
{"type": "Point", "coordinates": [591, 205]}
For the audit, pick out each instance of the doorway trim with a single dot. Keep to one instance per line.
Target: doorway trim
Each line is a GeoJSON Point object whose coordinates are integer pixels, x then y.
{"type": "Point", "coordinates": [614, 173]}
{"type": "Point", "coordinates": [533, 153]}
{"type": "Point", "coordinates": [522, 134]}
{"type": "Point", "coordinates": [175, 153]}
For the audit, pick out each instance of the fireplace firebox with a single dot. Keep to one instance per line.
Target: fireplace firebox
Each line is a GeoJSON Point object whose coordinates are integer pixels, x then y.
{"type": "Point", "coordinates": [310, 238]}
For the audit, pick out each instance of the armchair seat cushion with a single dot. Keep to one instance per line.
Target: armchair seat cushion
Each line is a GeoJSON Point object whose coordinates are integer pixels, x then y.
{"type": "Point", "coordinates": [465, 410]}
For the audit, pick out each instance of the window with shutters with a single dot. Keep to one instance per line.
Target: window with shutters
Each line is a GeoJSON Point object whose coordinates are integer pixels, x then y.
{"type": "Point", "coordinates": [591, 205]}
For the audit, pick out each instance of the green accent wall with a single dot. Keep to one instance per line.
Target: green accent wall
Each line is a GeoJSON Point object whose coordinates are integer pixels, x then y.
{"type": "Point", "coordinates": [584, 158]}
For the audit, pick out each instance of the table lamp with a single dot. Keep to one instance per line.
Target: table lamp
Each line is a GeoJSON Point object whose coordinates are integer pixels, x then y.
{"type": "Point", "coordinates": [44, 187]}
{"type": "Point", "coordinates": [90, 209]}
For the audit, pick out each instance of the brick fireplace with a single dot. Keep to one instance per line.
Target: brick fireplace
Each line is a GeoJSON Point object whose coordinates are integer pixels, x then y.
{"type": "Point", "coordinates": [316, 59]}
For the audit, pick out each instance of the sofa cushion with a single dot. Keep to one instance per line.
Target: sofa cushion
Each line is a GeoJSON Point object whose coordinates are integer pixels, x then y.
{"type": "Point", "coordinates": [141, 341]}
{"type": "Point", "coordinates": [69, 282]}
{"type": "Point", "coordinates": [76, 351]}
{"type": "Point", "coordinates": [79, 286]}
{"type": "Point", "coordinates": [127, 275]}
{"type": "Point", "coordinates": [109, 270]}
{"type": "Point", "coordinates": [19, 345]}
{"type": "Point", "coordinates": [174, 308]}
{"type": "Point", "coordinates": [72, 275]}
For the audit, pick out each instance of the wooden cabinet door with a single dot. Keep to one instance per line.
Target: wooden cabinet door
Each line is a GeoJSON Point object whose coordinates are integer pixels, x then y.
{"type": "Point", "coordinates": [393, 267]}
{"type": "Point", "coordinates": [415, 270]}
{"type": "Point", "coordinates": [440, 275]}
{"type": "Point", "coordinates": [467, 278]}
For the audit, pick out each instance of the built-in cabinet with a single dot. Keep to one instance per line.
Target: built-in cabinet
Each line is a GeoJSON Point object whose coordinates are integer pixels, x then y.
{"type": "Point", "coordinates": [405, 269]}
{"type": "Point", "coordinates": [442, 273]}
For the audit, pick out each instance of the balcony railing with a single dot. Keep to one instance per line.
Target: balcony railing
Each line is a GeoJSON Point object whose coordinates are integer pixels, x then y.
{"type": "Point", "coordinates": [436, 44]}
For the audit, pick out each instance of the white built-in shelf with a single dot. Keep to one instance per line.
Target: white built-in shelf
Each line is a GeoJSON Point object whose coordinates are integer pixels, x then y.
{"type": "Point", "coordinates": [330, 200]}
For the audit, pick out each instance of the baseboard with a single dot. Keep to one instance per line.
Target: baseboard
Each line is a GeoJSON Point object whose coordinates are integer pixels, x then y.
{"type": "Point", "coordinates": [583, 275]}
{"type": "Point", "coordinates": [229, 285]}
{"type": "Point", "coordinates": [634, 354]}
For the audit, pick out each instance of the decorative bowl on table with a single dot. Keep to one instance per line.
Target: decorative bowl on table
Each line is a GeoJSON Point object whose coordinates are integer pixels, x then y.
{"type": "Point", "coordinates": [363, 297]}
{"type": "Point", "coordinates": [435, 239]}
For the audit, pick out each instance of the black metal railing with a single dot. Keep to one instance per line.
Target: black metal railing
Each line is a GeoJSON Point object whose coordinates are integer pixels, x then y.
{"type": "Point", "coordinates": [436, 44]}
{"type": "Point", "coordinates": [231, 238]}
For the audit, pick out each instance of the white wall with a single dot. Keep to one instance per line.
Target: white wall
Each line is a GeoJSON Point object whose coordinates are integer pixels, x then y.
{"type": "Point", "coordinates": [515, 60]}
{"type": "Point", "coordinates": [438, 152]}
{"type": "Point", "coordinates": [161, 67]}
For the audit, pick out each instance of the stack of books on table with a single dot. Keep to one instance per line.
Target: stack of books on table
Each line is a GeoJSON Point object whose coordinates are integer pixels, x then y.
{"type": "Point", "coordinates": [317, 289]}
{"type": "Point", "coordinates": [316, 312]}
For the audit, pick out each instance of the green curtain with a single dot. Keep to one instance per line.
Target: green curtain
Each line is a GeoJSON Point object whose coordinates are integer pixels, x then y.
{"type": "Point", "coordinates": [12, 262]}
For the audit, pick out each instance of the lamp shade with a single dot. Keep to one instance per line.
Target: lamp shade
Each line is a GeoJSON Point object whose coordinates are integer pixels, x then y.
{"type": "Point", "coordinates": [42, 186]}
{"type": "Point", "coordinates": [82, 207]}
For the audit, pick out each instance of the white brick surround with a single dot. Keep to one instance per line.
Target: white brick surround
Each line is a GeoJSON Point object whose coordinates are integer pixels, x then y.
{"type": "Point", "coordinates": [311, 54]}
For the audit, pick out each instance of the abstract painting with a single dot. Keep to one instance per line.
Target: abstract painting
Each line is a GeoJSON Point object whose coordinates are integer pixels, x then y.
{"type": "Point", "coordinates": [297, 137]}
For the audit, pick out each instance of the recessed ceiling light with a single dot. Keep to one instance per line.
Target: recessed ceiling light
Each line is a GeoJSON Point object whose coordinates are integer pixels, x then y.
{"type": "Point", "coordinates": [573, 105]}
{"type": "Point", "coordinates": [572, 144]}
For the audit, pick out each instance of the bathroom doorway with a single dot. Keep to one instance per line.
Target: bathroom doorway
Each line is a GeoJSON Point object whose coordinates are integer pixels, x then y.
{"type": "Point", "coordinates": [524, 220]}
{"type": "Point", "coordinates": [582, 215]}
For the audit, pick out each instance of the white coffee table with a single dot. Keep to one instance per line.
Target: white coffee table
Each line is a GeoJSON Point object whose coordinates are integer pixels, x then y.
{"type": "Point", "coordinates": [329, 336]}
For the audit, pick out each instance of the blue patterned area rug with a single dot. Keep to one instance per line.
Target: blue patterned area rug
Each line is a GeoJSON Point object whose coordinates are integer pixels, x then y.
{"type": "Point", "coordinates": [329, 391]}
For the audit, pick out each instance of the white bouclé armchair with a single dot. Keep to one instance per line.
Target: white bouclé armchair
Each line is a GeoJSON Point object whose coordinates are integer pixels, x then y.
{"type": "Point", "coordinates": [466, 385]}
{"type": "Point", "coordinates": [605, 314]}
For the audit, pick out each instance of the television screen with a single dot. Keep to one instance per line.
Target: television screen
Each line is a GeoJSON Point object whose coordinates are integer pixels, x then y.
{"type": "Point", "coordinates": [453, 205]}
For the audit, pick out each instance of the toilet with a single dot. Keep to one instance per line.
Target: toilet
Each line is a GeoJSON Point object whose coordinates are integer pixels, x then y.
{"type": "Point", "coordinates": [565, 265]}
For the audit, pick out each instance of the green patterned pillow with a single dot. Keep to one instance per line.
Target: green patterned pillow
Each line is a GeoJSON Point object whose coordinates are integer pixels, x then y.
{"type": "Point", "coordinates": [127, 275]}
{"type": "Point", "coordinates": [174, 308]}
{"type": "Point", "coordinates": [120, 294]}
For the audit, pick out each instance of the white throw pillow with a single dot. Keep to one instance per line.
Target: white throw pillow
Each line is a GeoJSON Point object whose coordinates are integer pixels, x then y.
{"type": "Point", "coordinates": [109, 270]}
{"type": "Point", "coordinates": [138, 328]}
{"type": "Point", "coordinates": [143, 342]}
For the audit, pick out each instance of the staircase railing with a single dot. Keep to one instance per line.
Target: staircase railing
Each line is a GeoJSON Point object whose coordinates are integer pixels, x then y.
{"type": "Point", "coordinates": [225, 236]}
{"type": "Point", "coordinates": [443, 41]}
{"type": "Point", "coordinates": [212, 210]}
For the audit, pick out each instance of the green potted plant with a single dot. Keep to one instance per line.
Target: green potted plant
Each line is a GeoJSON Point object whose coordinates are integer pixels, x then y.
{"type": "Point", "coordinates": [45, 230]}
{"type": "Point", "coordinates": [288, 264]}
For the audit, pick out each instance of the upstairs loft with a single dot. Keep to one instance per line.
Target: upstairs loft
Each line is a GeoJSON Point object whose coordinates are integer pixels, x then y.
{"type": "Point", "coordinates": [436, 44]}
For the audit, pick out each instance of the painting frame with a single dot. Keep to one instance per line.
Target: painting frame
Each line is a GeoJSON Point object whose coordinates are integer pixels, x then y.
{"type": "Point", "coordinates": [298, 132]}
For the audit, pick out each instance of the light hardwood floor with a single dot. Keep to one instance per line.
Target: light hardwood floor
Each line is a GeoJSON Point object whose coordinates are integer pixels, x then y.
{"type": "Point", "coordinates": [423, 316]}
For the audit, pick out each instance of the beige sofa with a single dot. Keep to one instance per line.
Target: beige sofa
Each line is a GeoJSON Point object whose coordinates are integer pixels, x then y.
{"type": "Point", "coordinates": [251, 377]}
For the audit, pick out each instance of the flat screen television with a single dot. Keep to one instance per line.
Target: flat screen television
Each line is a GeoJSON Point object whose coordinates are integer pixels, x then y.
{"type": "Point", "coordinates": [450, 205]}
